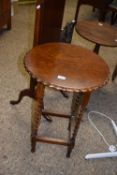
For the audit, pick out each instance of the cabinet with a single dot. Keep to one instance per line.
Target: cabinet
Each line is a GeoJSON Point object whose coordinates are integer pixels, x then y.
{"type": "Point", "coordinates": [5, 13]}
{"type": "Point", "coordinates": [48, 20]}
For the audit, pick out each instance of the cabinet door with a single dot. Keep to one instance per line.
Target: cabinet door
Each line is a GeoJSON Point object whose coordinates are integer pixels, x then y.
{"type": "Point", "coordinates": [6, 5]}
{"type": "Point", "coordinates": [49, 16]}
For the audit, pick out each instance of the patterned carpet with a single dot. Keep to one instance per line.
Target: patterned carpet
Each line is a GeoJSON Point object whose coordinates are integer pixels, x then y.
{"type": "Point", "coordinates": [15, 155]}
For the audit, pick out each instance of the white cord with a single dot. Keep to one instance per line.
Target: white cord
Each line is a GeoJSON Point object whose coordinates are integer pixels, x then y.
{"type": "Point", "coordinates": [112, 148]}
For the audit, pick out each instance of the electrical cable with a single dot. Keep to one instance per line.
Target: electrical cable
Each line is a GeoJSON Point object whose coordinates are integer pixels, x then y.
{"type": "Point", "coordinates": [112, 148]}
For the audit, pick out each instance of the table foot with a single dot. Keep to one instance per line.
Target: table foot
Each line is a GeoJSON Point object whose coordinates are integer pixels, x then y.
{"type": "Point", "coordinates": [23, 93]}
{"type": "Point", "coordinates": [26, 92]}
{"type": "Point", "coordinates": [68, 154]}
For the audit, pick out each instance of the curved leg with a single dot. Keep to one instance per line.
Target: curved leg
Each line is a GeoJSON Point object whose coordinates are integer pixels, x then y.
{"type": "Point", "coordinates": [26, 92]}
{"type": "Point", "coordinates": [30, 93]}
{"type": "Point", "coordinates": [37, 114]}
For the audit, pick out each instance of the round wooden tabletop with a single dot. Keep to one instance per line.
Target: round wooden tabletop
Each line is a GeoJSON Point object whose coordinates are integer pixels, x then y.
{"type": "Point", "coordinates": [66, 67]}
{"type": "Point", "coordinates": [100, 33]}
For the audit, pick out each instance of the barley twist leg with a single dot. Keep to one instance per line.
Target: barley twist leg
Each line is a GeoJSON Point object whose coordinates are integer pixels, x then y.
{"type": "Point", "coordinates": [36, 117]}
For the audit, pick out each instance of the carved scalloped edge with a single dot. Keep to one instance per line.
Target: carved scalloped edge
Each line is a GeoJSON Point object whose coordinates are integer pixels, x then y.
{"type": "Point", "coordinates": [63, 88]}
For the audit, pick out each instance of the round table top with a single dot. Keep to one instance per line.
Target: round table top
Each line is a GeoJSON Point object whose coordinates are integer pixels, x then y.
{"type": "Point", "coordinates": [100, 33]}
{"type": "Point", "coordinates": [66, 67]}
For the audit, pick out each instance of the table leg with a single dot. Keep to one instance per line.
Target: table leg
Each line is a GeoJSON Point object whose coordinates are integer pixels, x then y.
{"type": "Point", "coordinates": [30, 93]}
{"type": "Point", "coordinates": [76, 101]}
{"type": "Point", "coordinates": [78, 105]}
{"type": "Point", "coordinates": [26, 92]}
{"type": "Point", "coordinates": [96, 49]}
{"type": "Point", "coordinates": [36, 117]}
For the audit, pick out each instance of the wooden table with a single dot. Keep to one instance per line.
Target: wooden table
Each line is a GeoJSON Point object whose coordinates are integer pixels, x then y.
{"type": "Point", "coordinates": [69, 68]}
{"type": "Point", "coordinates": [102, 34]}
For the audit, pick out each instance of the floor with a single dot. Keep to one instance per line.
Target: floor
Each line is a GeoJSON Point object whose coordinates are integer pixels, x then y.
{"type": "Point", "coordinates": [15, 155]}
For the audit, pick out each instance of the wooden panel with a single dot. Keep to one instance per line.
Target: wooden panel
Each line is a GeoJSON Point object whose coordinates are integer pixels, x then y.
{"type": "Point", "coordinates": [0, 7]}
{"type": "Point", "coordinates": [49, 16]}
{"type": "Point", "coordinates": [5, 13]}
{"type": "Point", "coordinates": [6, 5]}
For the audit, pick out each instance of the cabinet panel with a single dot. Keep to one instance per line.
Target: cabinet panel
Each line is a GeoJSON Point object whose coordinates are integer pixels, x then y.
{"type": "Point", "coordinates": [5, 13]}
{"type": "Point", "coordinates": [5, 5]}
{"type": "Point", "coordinates": [49, 16]}
{"type": "Point", "coordinates": [1, 7]}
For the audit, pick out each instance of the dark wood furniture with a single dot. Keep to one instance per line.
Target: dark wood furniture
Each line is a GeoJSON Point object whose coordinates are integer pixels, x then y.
{"type": "Point", "coordinates": [102, 34]}
{"type": "Point", "coordinates": [63, 67]}
{"type": "Point", "coordinates": [99, 4]}
{"type": "Point", "coordinates": [48, 22]}
{"type": "Point", "coordinates": [113, 9]}
{"type": "Point", "coordinates": [5, 13]}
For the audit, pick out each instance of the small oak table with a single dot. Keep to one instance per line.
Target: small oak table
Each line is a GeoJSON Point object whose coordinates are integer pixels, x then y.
{"type": "Point", "coordinates": [102, 34]}
{"type": "Point", "coordinates": [69, 68]}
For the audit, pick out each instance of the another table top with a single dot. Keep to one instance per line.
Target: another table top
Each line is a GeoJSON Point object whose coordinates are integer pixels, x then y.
{"type": "Point", "coordinates": [66, 67]}
{"type": "Point", "coordinates": [100, 33]}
